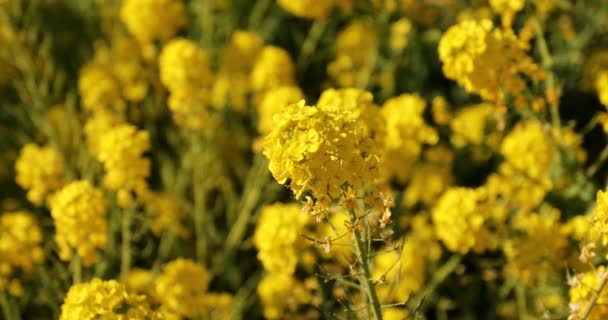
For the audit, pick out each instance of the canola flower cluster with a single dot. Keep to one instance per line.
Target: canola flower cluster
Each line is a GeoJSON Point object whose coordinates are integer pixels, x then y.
{"type": "Point", "coordinates": [277, 237]}
{"type": "Point", "coordinates": [20, 247]}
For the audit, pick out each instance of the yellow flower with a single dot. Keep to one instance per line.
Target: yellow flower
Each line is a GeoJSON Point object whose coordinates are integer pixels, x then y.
{"type": "Point", "coordinates": [582, 289]}
{"type": "Point", "coordinates": [393, 313]}
{"type": "Point", "coordinates": [276, 234]}
{"type": "Point", "coordinates": [182, 286]}
{"type": "Point", "coordinates": [311, 9]}
{"type": "Point", "coordinates": [273, 68]}
{"type": "Point", "coordinates": [355, 46]}
{"type": "Point", "coordinates": [528, 150]}
{"type": "Point", "coordinates": [406, 132]}
{"type": "Point", "coordinates": [400, 31]}
{"type": "Point", "coordinates": [273, 102]}
{"type": "Point", "coordinates": [507, 9]}
{"type": "Point", "coordinates": [121, 150]}
{"type": "Point", "coordinates": [184, 70]}
{"type": "Point", "coordinates": [327, 148]}
{"type": "Point", "coordinates": [150, 20]}
{"type": "Point", "coordinates": [109, 300]}
{"type": "Point", "coordinates": [599, 218]}
{"type": "Point", "coordinates": [39, 170]}
{"type": "Point", "coordinates": [487, 60]}
{"type": "Point", "coordinates": [166, 213]}
{"type": "Point", "coordinates": [536, 247]}
{"type": "Point", "coordinates": [79, 213]}
{"type": "Point", "coordinates": [20, 248]}
{"type": "Point", "coordinates": [459, 217]}
{"type": "Point", "coordinates": [601, 85]}
{"type": "Point", "coordinates": [281, 294]}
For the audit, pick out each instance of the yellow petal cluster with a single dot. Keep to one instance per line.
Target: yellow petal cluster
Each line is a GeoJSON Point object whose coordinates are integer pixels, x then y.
{"type": "Point", "coordinates": [185, 72]}
{"type": "Point", "coordinates": [459, 217]}
{"type": "Point", "coordinates": [181, 287]}
{"type": "Point", "coordinates": [232, 84]}
{"type": "Point", "coordinates": [536, 248]}
{"type": "Point", "coordinates": [282, 294]}
{"type": "Point", "coordinates": [276, 235]}
{"type": "Point", "coordinates": [406, 132]}
{"type": "Point", "coordinates": [507, 9]}
{"type": "Point", "coordinates": [273, 68]}
{"type": "Point", "coordinates": [114, 77]}
{"type": "Point", "coordinates": [353, 64]}
{"type": "Point", "coordinates": [166, 213]}
{"type": "Point", "coordinates": [486, 60]}
{"type": "Point", "coordinates": [151, 20]}
{"type": "Point", "coordinates": [325, 148]}
{"type": "Point", "coordinates": [311, 9]}
{"type": "Point", "coordinates": [601, 85]}
{"type": "Point", "coordinates": [79, 214]}
{"type": "Point", "coordinates": [431, 178]}
{"type": "Point", "coordinates": [528, 150]}
{"type": "Point", "coordinates": [273, 102]}
{"type": "Point", "coordinates": [582, 289]}
{"type": "Point", "coordinates": [20, 248]}
{"type": "Point", "coordinates": [121, 152]}
{"type": "Point", "coordinates": [99, 299]}
{"type": "Point", "coordinates": [38, 170]}
{"type": "Point", "coordinates": [599, 217]}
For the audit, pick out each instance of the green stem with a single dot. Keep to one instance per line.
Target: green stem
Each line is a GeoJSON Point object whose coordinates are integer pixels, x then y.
{"type": "Point", "coordinates": [311, 41]}
{"type": "Point", "coordinates": [547, 62]}
{"type": "Point", "coordinates": [125, 263]}
{"type": "Point", "coordinates": [438, 277]}
{"type": "Point", "coordinates": [595, 296]}
{"type": "Point", "coordinates": [592, 170]}
{"type": "Point", "coordinates": [7, 308]}
{"type": "Point", "coordinates": [76, 269]}
{"type": "Point", "coordinates": [522, 306]}
{"type": "Point", "coordinates": [363, 261]}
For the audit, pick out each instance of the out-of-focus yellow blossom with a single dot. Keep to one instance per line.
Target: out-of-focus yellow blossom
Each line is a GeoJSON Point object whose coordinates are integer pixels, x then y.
{"type": "Point", "coordinates": [324, 149]}
{"type": "Point", "coordinates": [232, 84]}
{"type": "Point", "coordinates": [99, 88]}
{"type": "Point", "coordinates": [115, 76]}
{"type": "Point", "coordinates": [96, 126]}
{"type": "Point", "coordinates": [440, 110]}
{"type": "Point", "coordinates": [599, 217]}
{"type": "Point", "coordinates": [507, 9]}
{"type": "Point", "coordinates": [469, 124]}
{"type": "Point", "coordinates": [404, 272]}
{"type": "Point", "coordinates": [406, 132]}
{"type": "Point", "coordinates": [150, 20]}
{"type": "Point", "coordinates": [121, 151]}
{"type": "Point", "coordinates": [314, 9]}
{"type": "Point", "coordinates": [281, 294]}
{"type": "Point", "coordinates": [166, 213]}
{"type": "Point", "coordinates": [276, 234]}
{"type": "Point", "coordinates": [20, 248]}
{"type": "Point", "coordinates": [529, 151]}
{"type": "Point", "coordinates": [568, 138]}
{"type": "Point", "coordinates": [184, 70]}
{"type": "Point", "coordinates": [601, 85]}
{"type": "Point", "coordinates": [536, 248]}
{"type": "Point", "coordinates": [273, 102]}
{"type": "Point", "coordinates": [517, 191]}
{"type": "Point", "coordinates": [400, 32]}
{"type": "Point", "coordinates": [139, 280]}
{"type": "Point", "coordinates": [273, 68]}
{"type": "Point", "coordinates": [459, 217]}
{"type": "Point", "coordinates": [430, 178]}
{"type": "Point", "coordinates": [39, 170]}
{"type": "Point", "coordinates": [181, 287]}
{"type": "Point", "coordinates": [355, 47]}
{"type": "Point", "coordinates": [217, 306]}
{"type": "Point", "coordinates": [393, 313]}
{"type": "Point", "coordinates": [578, 227]}
{"type": "Point", "coordinates": [109, 300]}
{"type": "Point", "coordinates": [339, 247]}
{"type": "Point", "coordinates": [582, 289]}
{"type": "Point", "coordinates": [487, 60]}
{"type": "Point", "coordinates": [239, 54]}
{"type": "Point", "coordinates": [79, 214]}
